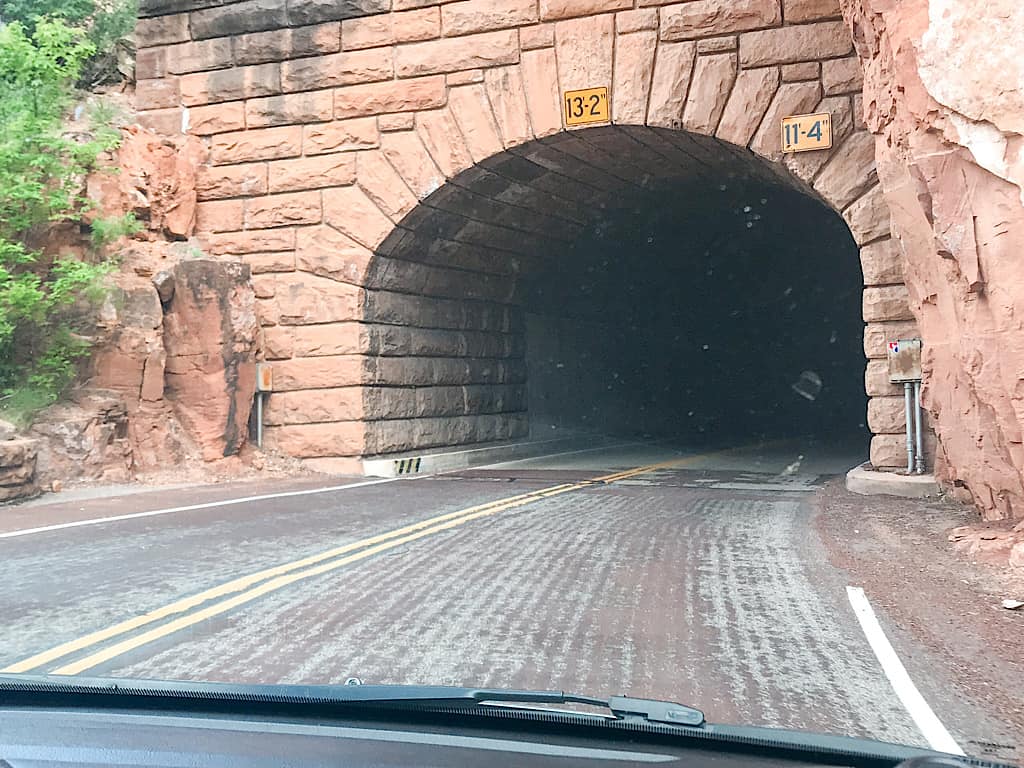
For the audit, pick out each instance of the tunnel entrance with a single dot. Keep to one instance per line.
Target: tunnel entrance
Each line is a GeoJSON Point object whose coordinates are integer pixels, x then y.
{"type": "Point", "coordinates": [633, 282]}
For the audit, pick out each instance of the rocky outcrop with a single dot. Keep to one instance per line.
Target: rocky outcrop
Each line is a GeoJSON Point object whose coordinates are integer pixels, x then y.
{"type": "Point", "coordinates": [85, 438]}
{"type": "Point", "coordinates": [947, 110]}
{"type": "Point", "coordinates": [17, 465]}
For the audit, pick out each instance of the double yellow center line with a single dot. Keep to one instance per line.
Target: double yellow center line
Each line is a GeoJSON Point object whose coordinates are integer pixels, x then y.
{"type": "Point", "coordinates": [231, 594]}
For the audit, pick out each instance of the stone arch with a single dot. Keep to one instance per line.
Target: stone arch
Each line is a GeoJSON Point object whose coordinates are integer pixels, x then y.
{"type": "Point", "coordinates": [383, 108]}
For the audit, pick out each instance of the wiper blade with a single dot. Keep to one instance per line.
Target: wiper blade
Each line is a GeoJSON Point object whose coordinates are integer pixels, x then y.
{"type": "Point", "coordinates": [621, 707]}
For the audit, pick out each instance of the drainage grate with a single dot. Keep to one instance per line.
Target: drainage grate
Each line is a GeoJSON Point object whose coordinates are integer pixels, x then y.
{"type": "Point", "coordinates": [407, 466]}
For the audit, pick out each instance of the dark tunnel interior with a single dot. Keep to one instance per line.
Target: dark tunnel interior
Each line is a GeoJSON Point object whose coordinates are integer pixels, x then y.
{"type": "Point", "coordinates": [622, 281]}
{"type": "Point", "coordinates": [704, 315]}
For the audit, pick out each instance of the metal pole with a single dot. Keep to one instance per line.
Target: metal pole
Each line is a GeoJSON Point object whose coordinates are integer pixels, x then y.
{"type": "Point", "coordinates": [917, 428]}
{"type": "Point", "coordinates": [259, 419]}
{"type": "Point", "coordinates": [907, 402]}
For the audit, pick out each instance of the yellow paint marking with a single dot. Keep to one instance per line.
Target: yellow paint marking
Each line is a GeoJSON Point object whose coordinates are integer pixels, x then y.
{"type": "Point", "coordinates": [263, 582]}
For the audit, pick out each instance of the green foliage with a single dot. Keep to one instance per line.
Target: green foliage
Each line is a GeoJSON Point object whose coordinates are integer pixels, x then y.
{"type": "Point", "coordinates": [41, 182]}
{"type": "Point", "coordinates": [108, 231]}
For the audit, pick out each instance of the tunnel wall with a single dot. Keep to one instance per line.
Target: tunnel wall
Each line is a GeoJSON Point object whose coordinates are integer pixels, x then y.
{"type": "Point", "coordinates": [326, 124]}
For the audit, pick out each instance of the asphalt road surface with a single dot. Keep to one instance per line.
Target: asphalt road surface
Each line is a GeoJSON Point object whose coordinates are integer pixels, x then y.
{"type": "Point", "coordinates": [635, 569]}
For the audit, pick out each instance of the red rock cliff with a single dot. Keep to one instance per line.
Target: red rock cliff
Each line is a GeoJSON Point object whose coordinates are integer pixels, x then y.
{"type": "Point", "coordinates": [947, 106]}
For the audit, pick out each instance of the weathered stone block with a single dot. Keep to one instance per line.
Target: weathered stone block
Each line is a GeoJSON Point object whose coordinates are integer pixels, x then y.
{"type": "Point", "coordinates": [636, 20]}
{"type": "Point", "coordinates": [673, 69]}
{"type": "Point", "coordinates": [888, 452]}
{"type": "Point", "coordinates": [391, 28]}
{"type": "Point", "coordinates": [805, 42]}
{"type": "Point", "coordinates": [199, 55]}
{"type": "Point", "coordinates": [162, 30]}
{"type": "Point", "coordinates": [584, 47]}
{"type": "Point", "coordinates": [842, 76]}
{"type": "Point", "coordinates": [318, 372]}
{"type": "Point", "coordinates": [563, 9]}
{"type": "Point", "coordinates": [230, 84]}
{"type": "Point", "coordinates": [890, 302]}
{"type": "Point", "coordinates": [706, 18]}
{"type": "Point", "coordinates": [472, 112]}
{"type": "Point", "coordinates": [876, 380]}
{"type": "Point", "coordinates": [751, 94]}
{"type": "Point", "coordinates": [341, 136]}
{"type": "Point", "coordinates": [350, 211]}
{"type": "Point", "coordinates": [278, 261]}
{"type": "Point", "coordinates": [634, 65]}
{"type": "Point", "coordinates": [220, 181]}
{"type": "Point", "coordinates": [383, 185]}
{"type": "Point", "coordinates": [151, 63]}
{"type": "Point", "coordinates": [408, 156]}
{"type": "Point", "coordinates": [336, 69]}
{"type": "Point", "coordinates": [789, 99]}
{"type": "Point", "coordinates": [312, 172]}
{"type": "Point", "coordinates": [850, 172]}
{"type": "Point", "coordinates": [464, 77]}
{"type": "Point", "coordinates": [810, 10]}
{"type": "Point", "coordinates": [248, 16]}
{"type": "Point", "coordinates": [440, 134]}
{"type": "Point", "coordinates": [396, 96]}
{"type": "Point", "coordinates": [451, 54]}
{"type": "Point", "coordinates": [290, 109]}
{"type": "Point", "coordinates": [712, 84]}
{"type": "Point", "coordinates": [216, 118]}
{"type": "Point", "coordinates": [315, 11]}
{"type": "Point", "coordinates": [17, 452]}
{"type": "Point", "coordinates": [262, 144]}
{"type": "Point", "coordinates": [401, 121]}
{"type": "Point", "coordinates": [219, 215]}
{"type": "Point", "coordinates": [327, 252]}
{"type": "Point", "coordinates": [541, 83]}
{"type": "Point", "coordinates": [877, 336]}
{"type": "Point", "coordinates": [536, 36]}
{"type": "Point", "coordinates": [234, 243]}
{"type": "Point", "coordinates": [281, 44]}
{"type": "Point", "coordinates": [336, 438]}
{"type": "Point", "coordinates": [507, 94]}
{"type": "Point", "coordinates": [805, 70]}
{"type": "Point", "coordinates": [315, 405]}
{"type": "Point", "coordinates": [868, 217]}
{"type": "Point", "coordinates": [882, 262]}
{"type": "Point", "coordinates": [469, 16]}
{"type": "Point", "coordinates": [157, 94]}
{"type": "Point", "coordinates": [282, 209]}
{"type": "Point", "coordinates": [886, 415]}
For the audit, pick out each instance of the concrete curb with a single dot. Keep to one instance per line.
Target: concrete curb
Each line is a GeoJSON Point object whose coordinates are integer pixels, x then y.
{"type": "Point", "coordinates": [426, 463]}
{"type": "Point", "coordinates": [871, 482]}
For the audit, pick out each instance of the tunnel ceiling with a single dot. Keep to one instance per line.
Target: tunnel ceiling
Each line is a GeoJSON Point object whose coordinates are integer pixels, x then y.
{"type": "Point", "coordinates": [514, 211]}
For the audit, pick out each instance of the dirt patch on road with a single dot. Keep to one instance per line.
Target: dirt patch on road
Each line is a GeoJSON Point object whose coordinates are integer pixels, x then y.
{"type": "Point", "coordinates": [899, 550]}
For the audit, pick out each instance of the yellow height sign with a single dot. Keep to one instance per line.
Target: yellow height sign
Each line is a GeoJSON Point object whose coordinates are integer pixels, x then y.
{"type": "Point", "coordinates": [801, 133]}
{"type": "Point", "coordinates": [589, 105]}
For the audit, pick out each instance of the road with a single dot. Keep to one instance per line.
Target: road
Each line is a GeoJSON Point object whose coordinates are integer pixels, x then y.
{"type": "Point", "coordinates": [632, 569]}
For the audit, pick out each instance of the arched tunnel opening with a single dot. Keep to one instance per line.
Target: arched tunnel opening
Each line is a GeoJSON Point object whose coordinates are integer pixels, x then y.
{"type": "Point", "coordinates": [626, 282]}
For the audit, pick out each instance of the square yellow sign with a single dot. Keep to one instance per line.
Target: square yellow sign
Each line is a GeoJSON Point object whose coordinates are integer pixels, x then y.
{"type": "Point", "coordinates": [801, 133]}
{"type": "Point", "coordinates": [589, 105]}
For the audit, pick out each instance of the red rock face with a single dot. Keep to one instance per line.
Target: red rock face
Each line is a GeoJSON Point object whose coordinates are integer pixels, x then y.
{"type": "Point", "coordinates": [948, 114]}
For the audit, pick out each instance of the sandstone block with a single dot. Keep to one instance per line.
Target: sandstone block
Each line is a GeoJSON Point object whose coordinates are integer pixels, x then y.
{"type": "Point", "coordinates": [162, 30]}
{"type": "Point", "coordinates": [402, 121]}
{"type": "Point", "coordinates": [220, 181]}
{"type": "Point", "coordinates": [536, 36]}
{"type": "Point", "coordinates": [472, 112]}
{"type": "Point", "coordinates": [673, 69]}
{"type": "Point", "coordinates": [248, 16]}
{"type": "Point", "coordinates": [868, 217]}
{"type": "Point", "coordinates": [717, 44]}
{"type": "Point", "coordinates": [882, 262]}
{"type": "Point", "coordinates": [886, 415]}
{"type": "Point", "coordinates": [281, 44]}
{"type": "Point", "coordinates": [391, 28]}
{"type": "Point", "coordinates": [706, 18]}
{"type": "Point", "coordinates": [261, 263]}
{"type": "Point", "coordinates": [350, 211]}
{"type": "Point", "coordinates": [219, 215]}
{"type": "Point", "coordinates": [805, 70]}
{"type": "Point", "coordinates": [316, 11]}
{"type": "Point", "coordinates": [876, 380]}
{"type": "Point", "coordinates": [304, 299]}
{"type": "Point", "coordinates": [890, 302]}
{"type": "Point", "coordinates": [326, 252]}
{"type": "Point", "coordinates": [789, 99]}
{"type": "Point", "coordinates": [540, 82]}
{"type": "Point", "coordinates": [261, 144]}
{"type": "Point", "coordinates": [888, 452]}
{"type": "Point", "coordinates": [264, 286]}
{"type": "Point", "coordinates": [17, 452]}
{"type": "Point", "coordinates": [290, 109]}
{"type": "Point", "coordinates": [341, 136]}
{"type": "Point", "coordinates": [486, 49]}
{"type": "Point", "coordinates": [507, 95]}
{"type": "Point", "coordinates": [584, 48]}
{"type": "Point", "coordinates": [636, 20]}
{"type": "Point", "coordinates": [216, 118]}
{"type": "Point", "coordinates": [440, 134]}
{"type": "Point", "coordinates": [336, 438]}
{"type": "Point", "coordinates": [252, 241]}
{"type": "Point", "coordinates": [318, 372]}
{"type": "Point", "coordinates": [199, 55]}
{"type": "Point", "coordinates": [712, 84]}
{"type": "Point", "coordinates": [469, 16]}
{"type": "Point", "coordinates": [315, 405]}
{"type": "Point", "coordinates": [408, 156]}
{"type": "Point", "coordinates": [230, 84]}
{"type": "Point", "coordinates": [634, 65]}
{"type": "Point", "coordinates": [151, 63]}
{"type": "Point", "coordinates": [850, 172]}
{"type": "Point", "coordinates": [332, 70]}
{"type": "Point", "coordinates": [312, 172]}
{"type": "Point", "coordinates": [157, 94]}
{"type": "Point", "coordinates": [842, 76]}
{"type": "Point", "coordinates": [751, 94]}
{"type": "Point", "coordinates": [396, 96]}
{"type": "Point", "coordinates": [164, 122]}
{"type": "Point", "coordinates": [325, 340]}
{"type": "Point", "coordinates": [276, 342]}
{"type": "Point", "coordinates": [877, 336]}
{"type": "Point", "coordinates": [283, 209]}
{"type": "Point", "coordinates": [806, 42]}
{"type": "Point", "coordinates": [810, 10]}
{"type": "Point", "coordinates": [563, 9]}
{"type": "Point", "coordinates": [381, 182]}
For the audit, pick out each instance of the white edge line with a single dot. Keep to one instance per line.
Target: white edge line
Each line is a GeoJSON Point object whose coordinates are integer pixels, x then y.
{"type": "Point", "coordinates": [927, 721]}
{"type": "Point", "coordinates": [189, 508]}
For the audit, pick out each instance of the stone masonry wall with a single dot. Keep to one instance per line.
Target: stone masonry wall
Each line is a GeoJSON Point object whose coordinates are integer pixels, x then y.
{"type": "Point", "coordinates": [327, 123]}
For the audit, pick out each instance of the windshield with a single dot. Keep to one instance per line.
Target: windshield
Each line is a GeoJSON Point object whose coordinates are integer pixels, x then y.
{"type": "Point", "coordinates": [663, 350]}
